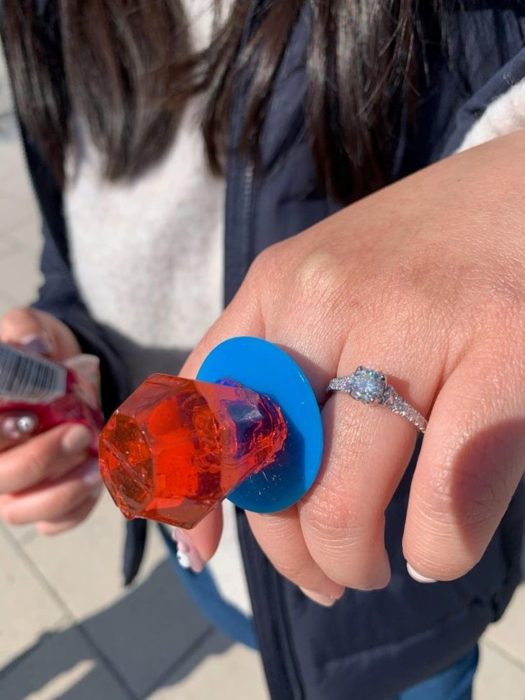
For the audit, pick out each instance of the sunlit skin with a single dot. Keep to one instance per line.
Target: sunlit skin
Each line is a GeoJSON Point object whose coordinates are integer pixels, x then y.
{"type": "Point", "coordinates": [425, 281]}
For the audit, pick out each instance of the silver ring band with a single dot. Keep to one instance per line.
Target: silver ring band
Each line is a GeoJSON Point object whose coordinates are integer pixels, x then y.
{"type": "Point", "coordinates": [371, 387]}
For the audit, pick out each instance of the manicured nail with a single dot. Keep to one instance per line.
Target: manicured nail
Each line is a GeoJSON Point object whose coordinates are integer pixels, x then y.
{"type": "Point", "coordinates": [77, 439]}
{"type": "Point", "coordinates": [419, 577]}
{"type": "Point", "coordinates": [18, 426]}
{"type": "Point", "coordinates": [86, 365]}
{"type": "Point", "coordinates": [324, 600]}
{"type": "Point", "coordinates": [187, 554]}
{"type": "Point", "coordinates": [92, 474]}
{"type": "Point", "coordinates": [37, 343]}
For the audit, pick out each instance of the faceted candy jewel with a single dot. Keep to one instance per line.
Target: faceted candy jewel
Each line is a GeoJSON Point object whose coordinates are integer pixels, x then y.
{"type": "Point", "coordinates": [176, 447]}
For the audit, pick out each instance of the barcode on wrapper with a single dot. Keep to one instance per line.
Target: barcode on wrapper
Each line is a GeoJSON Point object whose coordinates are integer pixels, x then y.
{"type": "Point", "coordinates": [31, 379]}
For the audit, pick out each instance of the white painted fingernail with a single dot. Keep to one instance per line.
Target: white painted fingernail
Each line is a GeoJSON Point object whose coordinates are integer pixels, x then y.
{"type": "Point", "coordinates": [91, 476]}
{"type": "Point", "coordinates": [319, 598]}
{"type": "Point", "coordinates": [183, 558]}
{"type": "Point", "coordinates": [419, 577]}
{"type": "Point", "coordinates": [77, 439]}
{"type": "Point", "coordinates": [187, 554]}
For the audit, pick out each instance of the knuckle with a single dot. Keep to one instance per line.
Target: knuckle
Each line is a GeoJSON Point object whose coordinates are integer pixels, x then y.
{"type": "Point", "coordinates": [323, 279]}
{"type": "Point", "coordinates": [456, 497]}
{"type": "Point", "coordinates": [408, 291]}
{"type": "Point", "coordinates": [471, 488]}
{"type": "Point", "coordinates": [268, 262]}
{"type": "Point", "coordinates": [422, 272]}
{"type": "Point", "coordinates": [321, 270]}
{"type": "Point", "coordinates": [293, 570]}
{"type": "Point", "coordinates": [332, 518]}
{"type": "Point", "coordinates": [38, 467]}
{"type": "Point", "coordinates": [455, 523]}
{"type": "Point", "coordinates": [344, 536]}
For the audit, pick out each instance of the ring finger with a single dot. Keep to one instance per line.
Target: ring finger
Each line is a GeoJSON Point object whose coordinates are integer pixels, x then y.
{"type": "Point", "coordinates": [367, 451]}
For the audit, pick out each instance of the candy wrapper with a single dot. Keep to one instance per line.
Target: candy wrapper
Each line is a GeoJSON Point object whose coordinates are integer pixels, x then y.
{"type": "Point", "coordinates": [37, 394]}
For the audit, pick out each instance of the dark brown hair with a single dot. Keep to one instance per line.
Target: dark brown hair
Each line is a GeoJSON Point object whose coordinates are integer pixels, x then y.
{"type": "Point", "coordinates": [128, 68]}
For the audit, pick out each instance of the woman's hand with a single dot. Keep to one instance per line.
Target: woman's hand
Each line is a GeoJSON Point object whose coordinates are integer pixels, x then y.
{"type": "Point", "coordinates": [48, 479]}
{"type": "Point", "coordinates": [424, 281]}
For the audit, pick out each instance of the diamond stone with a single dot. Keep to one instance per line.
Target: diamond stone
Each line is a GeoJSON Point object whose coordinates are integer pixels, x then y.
{"type": "Point", "coordinates": [367, 385]}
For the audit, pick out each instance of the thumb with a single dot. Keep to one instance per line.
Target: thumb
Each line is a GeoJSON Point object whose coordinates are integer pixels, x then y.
{"type": "Point", "coordinates": [40, 332]}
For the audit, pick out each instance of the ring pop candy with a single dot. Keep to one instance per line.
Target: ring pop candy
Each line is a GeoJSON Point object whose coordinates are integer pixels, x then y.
{"type": "Point", "coordinates": [177, 447]}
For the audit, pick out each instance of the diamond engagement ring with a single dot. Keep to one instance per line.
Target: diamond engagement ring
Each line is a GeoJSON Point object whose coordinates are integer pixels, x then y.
{"type": "Point", "coordinates": [371, 387]}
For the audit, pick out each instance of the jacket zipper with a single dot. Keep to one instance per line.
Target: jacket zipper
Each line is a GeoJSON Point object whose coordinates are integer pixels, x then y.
{"type": "Point", "coordinates": [239, 245]}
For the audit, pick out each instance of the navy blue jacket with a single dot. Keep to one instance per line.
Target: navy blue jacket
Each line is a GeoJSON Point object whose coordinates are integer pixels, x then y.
{"type": "Point", "coordinates": [370, 645]}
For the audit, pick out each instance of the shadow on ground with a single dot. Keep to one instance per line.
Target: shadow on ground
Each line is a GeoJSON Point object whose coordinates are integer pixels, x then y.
{"type": "Point", "coordinates": [149, 637]}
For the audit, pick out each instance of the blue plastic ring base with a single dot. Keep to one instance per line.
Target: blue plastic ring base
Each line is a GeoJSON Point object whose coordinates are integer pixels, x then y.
{"type": "Point", "coordinates": [265, 368]}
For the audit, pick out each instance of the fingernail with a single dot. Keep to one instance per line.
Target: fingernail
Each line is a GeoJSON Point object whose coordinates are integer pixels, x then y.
{"type": "Point", "coordinates": [18, 426]}
{"type": "Point", "coordinates": [86, 365]}
{"type": "Point", "coordinates": [324, 600]}
{"type": "Point", "coordinates": [92, 474]}
{"type": "Point", "coordinates": [187, 555]}
{"type": "Point", "coordinates": [419, 577]}
{"type": "Point", "coordinates": [37, 343]}
{"type": "Point", "coordinates": [77, 439]}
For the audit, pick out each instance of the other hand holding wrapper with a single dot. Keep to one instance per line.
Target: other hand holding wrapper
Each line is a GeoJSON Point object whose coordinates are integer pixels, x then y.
{"type": "Point", "coordinates": [49, 420]}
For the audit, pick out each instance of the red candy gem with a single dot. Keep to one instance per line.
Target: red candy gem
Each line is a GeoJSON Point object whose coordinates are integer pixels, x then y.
{"type": "Point", "coordinates": [176, 447]}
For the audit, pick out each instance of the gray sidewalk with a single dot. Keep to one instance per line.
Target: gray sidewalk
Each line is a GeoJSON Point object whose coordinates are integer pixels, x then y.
{"type": "Point", "coordinates": [69, 630]}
